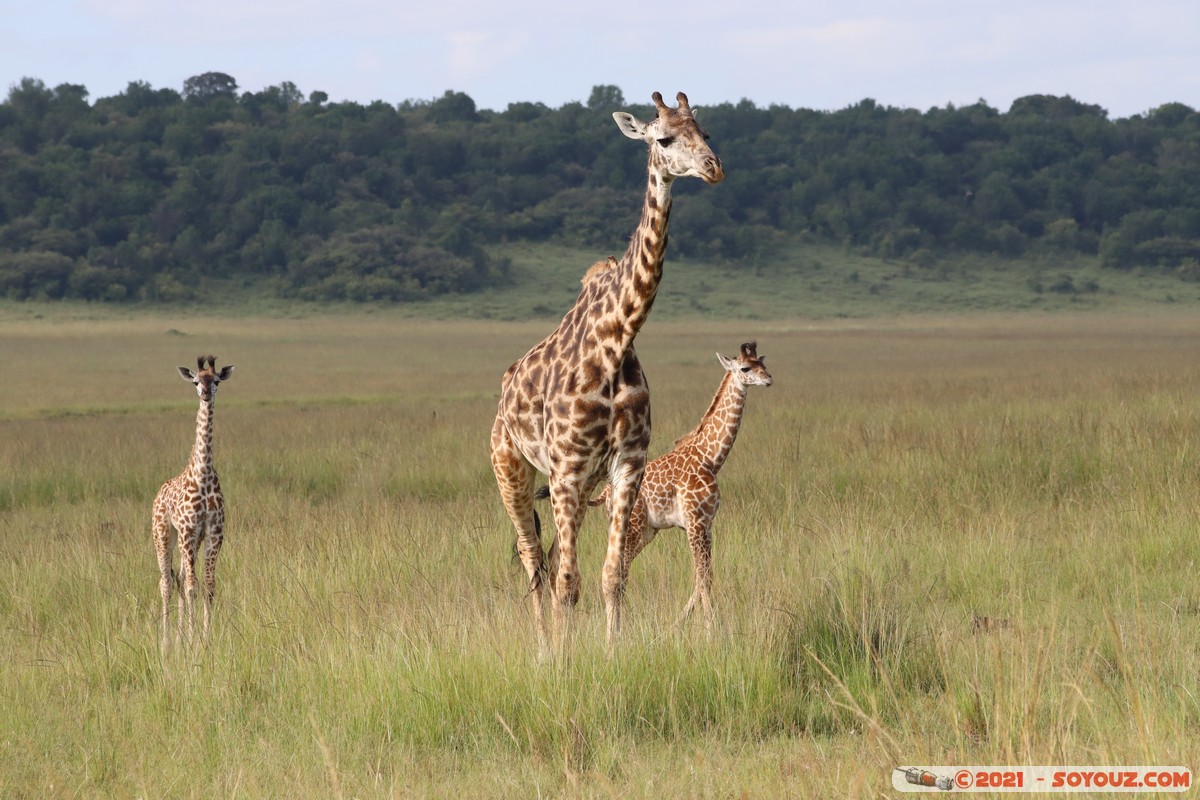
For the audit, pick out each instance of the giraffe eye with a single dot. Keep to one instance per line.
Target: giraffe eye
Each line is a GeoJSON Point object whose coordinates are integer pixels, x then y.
{"type": "Point", "coordinates": [745, 369]}
{"type": "Point", "coordinates": [666, 141]}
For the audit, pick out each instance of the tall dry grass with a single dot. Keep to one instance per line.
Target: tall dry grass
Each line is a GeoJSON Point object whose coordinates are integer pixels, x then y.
{"type": "Point", "coordinates": [943, 541]}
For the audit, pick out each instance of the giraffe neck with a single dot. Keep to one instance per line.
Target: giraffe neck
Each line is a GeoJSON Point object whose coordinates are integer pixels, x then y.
{"type": "Point", "coordinates": [719, 426]}
{"type": "Point", "coordinates": [638, 272]}
{"type": "Point", "coordinates": [641, 266]}
{"type": "Point", "coordinates": [201, 460]}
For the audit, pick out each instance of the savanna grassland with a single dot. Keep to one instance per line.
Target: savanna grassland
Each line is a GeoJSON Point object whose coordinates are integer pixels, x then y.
{"type": "Point", "coordinates": [944, 540]}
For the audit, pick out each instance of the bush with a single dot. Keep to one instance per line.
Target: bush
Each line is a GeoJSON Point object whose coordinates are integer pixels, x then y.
{"type": "Point", "coordinates": [36, 274]}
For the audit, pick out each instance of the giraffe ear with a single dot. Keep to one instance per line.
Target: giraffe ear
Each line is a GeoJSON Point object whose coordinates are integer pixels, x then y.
{"type": "Point", "coordinates": [225, 373]}
{"type": "Point", "coordinates": [630, 125]}
{"type": "Point", "coordinates": [728, 363]}
{"type": "Point", "coordinates": [187, 374]}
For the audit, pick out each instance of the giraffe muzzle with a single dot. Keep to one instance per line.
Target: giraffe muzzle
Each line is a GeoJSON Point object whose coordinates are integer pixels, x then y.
{"type": "Point", "coordinates": [714, 172]}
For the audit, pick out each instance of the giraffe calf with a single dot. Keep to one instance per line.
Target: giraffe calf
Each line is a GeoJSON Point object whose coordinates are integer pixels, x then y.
{"type": "Point", "coordinates": [679, 489]}
{"type": "Point", "coordinates": [193, 505]}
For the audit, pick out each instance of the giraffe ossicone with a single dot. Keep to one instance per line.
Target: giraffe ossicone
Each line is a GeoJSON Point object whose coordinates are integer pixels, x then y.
{"type": "Point", "coordinates": [576, 407]}
{"type": "Point", "coordinates": [191, 504]}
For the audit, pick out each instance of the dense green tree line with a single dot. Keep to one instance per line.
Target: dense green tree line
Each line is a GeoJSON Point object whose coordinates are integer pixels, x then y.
{"type": "Point", "coordinates": [148, 193]}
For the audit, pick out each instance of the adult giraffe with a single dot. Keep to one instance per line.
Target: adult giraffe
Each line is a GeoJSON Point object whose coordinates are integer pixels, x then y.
{"type": "Point", "coordinates": [576, 407]}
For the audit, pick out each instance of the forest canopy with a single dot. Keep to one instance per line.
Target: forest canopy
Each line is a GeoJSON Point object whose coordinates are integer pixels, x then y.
{"type": "Point", "coordinates": [146, 194]}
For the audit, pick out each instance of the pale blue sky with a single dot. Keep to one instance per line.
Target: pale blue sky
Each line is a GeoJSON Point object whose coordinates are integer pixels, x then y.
{"type": "Point", "coordinates": [1127, 57]}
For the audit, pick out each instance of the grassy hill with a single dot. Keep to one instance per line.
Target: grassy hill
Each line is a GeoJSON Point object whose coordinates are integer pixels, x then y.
{"type": "Point", "coordinates": [825, 282]}
{"type": "Point", "coordinates": [820, 281]}
{"type": "Point", "coordinates": [805, 281]}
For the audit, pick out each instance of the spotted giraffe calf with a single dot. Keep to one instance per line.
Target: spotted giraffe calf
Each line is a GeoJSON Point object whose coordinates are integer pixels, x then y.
{"type": "Point", "coordinates": [193, 505]}
{"type": "Point", "coordinates": [679, 489]}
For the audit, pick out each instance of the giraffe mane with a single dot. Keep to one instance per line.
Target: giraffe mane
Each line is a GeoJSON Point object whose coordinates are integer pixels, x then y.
{"type": "Point", "coordinates": [685, 439]}
{"type": "Point", "coordinates": [598, 269]}
{"type": "Point", "coordinates": [694, 433]}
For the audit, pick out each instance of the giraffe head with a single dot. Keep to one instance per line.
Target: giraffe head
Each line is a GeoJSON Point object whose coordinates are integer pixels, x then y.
{"type": "Point", "coordinates": [748, 368]}
{"type": "Point", "coordinates": [206, 378]}
{"type": "Point", "coordinates": [677, 142]}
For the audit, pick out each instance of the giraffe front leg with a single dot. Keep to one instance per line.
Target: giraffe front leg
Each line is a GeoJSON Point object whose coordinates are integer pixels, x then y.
{"type": "Point", "coordinates": [569, 508]}
{"type": "Point", "coordinates": [212, 548]}
{"type": "Point", "coordinates": [624, 489]}
{"type": "Point", "coordinates": [514, 476]}
{"type": "Point", "coordinates": [187, 592]}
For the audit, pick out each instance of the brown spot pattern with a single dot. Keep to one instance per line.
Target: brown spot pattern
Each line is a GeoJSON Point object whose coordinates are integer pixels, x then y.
{"type": "Point", "coordinates": [584, 415]}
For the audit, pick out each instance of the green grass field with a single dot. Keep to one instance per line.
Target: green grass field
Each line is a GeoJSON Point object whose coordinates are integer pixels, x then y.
{"type": "Point", "coordinates": [944, 540]}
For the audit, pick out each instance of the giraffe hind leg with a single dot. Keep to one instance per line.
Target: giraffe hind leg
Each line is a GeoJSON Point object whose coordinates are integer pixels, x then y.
{"type": "Point", "coordinates": [213, 542]}
{"type": "Point", "coordinates": [639, 534]}
{"type": "Point", "coordinates": [187, 594]}
{"type": "Point", "coordinates": [564, 568]}
{"type": "Point", "coordinates": [621, 533]}
{"type": "Point", "coordinates": [515, 479]}
{"type": "Point", "coordinates": [568, 514]}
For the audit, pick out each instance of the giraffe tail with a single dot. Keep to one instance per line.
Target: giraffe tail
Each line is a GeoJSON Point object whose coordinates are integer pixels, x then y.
{"type": "Point", "coordinates": [539, 576]}
{"type": "Point", "coordinates": [600, 499]}
{"type": "Point", "coordinates": [551, 565]}
{"type": "Point", "coordinates": [541, 494]}
{"type": "Point", "coordinates": [544, 491]}
{"type": "Point", "coordinates": [537, 528]}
